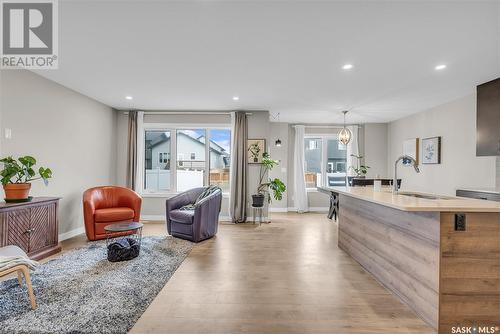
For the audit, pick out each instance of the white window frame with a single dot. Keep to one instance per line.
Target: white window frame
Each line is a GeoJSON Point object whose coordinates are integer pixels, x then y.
{"type": "Point", "coordinates": [324, 154]}
{"type": "Point", "coordinates": [173, 128]}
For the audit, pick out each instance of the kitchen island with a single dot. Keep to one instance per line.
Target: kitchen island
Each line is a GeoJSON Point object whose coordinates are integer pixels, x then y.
{"type": "Point", "coordinates": [440, 255]}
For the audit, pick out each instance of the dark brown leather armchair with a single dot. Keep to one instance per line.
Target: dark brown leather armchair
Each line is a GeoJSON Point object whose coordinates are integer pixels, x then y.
{"type": "Point", "coordinates": [106, 205]}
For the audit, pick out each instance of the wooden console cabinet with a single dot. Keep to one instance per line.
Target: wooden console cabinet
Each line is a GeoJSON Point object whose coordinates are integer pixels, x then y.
{"type": "Point", "coordinates": [32, 226]}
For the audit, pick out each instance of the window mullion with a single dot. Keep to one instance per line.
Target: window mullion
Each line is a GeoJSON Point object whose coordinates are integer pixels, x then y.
{"type": "Point", "coordinates": [207, 157]}
{"type": "Point", "coordinates": [324, 151]}
{"type": "Point", "coordinates": [173, 158]}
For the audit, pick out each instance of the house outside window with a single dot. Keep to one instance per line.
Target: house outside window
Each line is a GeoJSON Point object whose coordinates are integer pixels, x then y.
{"type": "Point", "coordinates": [178, 159]}
{"type": "Point", "coordinates": [190, 173]}
{"type": "Point", "coordinates": [157, 170]}
{"type": "Point", "coordinates": [312, 157]}
{"type": "Point", "coordinates": [325, 161]}
{"type": "Point", "coordinates": [220, 159]}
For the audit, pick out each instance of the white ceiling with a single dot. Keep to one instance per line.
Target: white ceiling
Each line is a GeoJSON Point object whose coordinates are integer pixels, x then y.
{"type": "Point", "coordinates": [283, 56]}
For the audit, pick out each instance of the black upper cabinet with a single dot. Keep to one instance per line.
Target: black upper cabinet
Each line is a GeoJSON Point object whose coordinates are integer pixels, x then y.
{"type": "Point", "coordinates": [488, 119]}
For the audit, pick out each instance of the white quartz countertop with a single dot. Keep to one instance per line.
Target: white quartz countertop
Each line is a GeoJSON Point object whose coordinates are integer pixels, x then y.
{"type": "Point", "coordinates": [409, 203]}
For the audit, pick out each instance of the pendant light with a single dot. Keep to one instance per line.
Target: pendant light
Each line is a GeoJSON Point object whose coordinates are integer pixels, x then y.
{"type": "Point", "coordinates": [278, 141]}
{"type": "Point", "coordinates": [345, 134]}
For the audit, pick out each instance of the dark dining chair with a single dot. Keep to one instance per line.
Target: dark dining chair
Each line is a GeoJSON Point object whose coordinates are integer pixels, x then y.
{"type": "Point", "coordinates": [360, 182]}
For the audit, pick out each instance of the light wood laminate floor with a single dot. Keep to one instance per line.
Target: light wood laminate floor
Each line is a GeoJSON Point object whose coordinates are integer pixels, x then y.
{"type": "Point", "coordinates": [285, 277]}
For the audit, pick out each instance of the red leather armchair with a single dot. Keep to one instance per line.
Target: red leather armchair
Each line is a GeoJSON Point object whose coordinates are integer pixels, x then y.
{"type": "Point", "coordinates": [106, 205]}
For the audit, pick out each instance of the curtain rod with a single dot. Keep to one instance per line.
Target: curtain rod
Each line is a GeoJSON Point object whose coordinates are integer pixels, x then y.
{"type": "Point", "coordinates": [326, 126]}
{"type": "Point", "coordinates": [188, 113]}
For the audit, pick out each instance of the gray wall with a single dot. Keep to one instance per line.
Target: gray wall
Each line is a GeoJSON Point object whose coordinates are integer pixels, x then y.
{"type": "Point", "coordinates": [455, 122]}
{"type": "Point", "coordinates": [70, 133]}
{"type": "Point", "coordinates": [280, 131]}
{"type": "Point", "coordinates": [375, 148]}
{"type": "Point", "coordinates": [121, 148]}
{"type": "Point", "coordinates": [258, 128]}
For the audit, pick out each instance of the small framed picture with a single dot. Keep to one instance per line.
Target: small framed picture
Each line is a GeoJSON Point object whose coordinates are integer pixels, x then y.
{"type": "Point", "coordinates": [255, 148]}
{"type": "Point", "coordinates": [431, 150]}
{"type": "Point", "coordinates": [410, 148]}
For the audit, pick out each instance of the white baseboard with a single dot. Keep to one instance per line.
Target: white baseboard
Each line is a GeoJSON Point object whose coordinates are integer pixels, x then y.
{"type": "Point", "coordinates": [71, 234]}
{"type": "Point", "coordinates": [153, 217]}
{"type": "Point", "coordinates": [278, 209]}
{"type": "Point", "coordinates": [311, 209]}
{"type": "Point", "coordinates": [162, 218]}
{"type": "Point", "coordinates": [319, 209]}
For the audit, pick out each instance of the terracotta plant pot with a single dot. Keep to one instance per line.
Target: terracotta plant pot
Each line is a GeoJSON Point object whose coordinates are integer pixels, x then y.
{"type": "Point", "coordinates": [17, 190]}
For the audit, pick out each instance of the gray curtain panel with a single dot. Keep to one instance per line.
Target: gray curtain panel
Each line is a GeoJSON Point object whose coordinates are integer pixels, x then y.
{"type": "Point", "coordinates": [132, 150]}
{"type": "Point", "coordinates": [238, 178]}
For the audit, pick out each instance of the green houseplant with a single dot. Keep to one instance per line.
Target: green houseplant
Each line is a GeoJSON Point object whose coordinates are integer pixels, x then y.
{"type": "Point", "coordinates": [266, 186]}
{"type": "Point", "coordinates": [17, 176]}
{"type": "Point", "coordinates": [360, 170]}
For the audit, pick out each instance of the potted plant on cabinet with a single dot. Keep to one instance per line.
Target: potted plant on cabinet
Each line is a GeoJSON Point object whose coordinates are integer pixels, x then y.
{"type": "Point", "coordinates": [276, 186]}
{"type": "Point", "coordinates": [17, 176]}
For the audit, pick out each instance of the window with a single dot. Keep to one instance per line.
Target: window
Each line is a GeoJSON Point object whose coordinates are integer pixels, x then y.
{"type": "Point", "coordinates": [325, 161]}
{"type": "Point", "coordinates": [220, 159]}
{"type": "Point", "coordinates": [336, 159]}
{"type": "Point", "coordinates": [178, 159]}
{"type": "Point", "coordinates": [190, 173]}
{"type": "Point", "coordinates": [314, 144]}
{"type": "Point", "coordinates": [164, 157]}
{"type": "Point", "coordinates": [312, 157]}
{"type": "Point", "coordinates": [157, 170]}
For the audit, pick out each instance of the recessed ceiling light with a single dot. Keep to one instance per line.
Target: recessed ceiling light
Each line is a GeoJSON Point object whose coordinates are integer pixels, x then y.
{"type": "Point", "coordinates": [440, 67]}
{"type": "Point", "coordinates": [347, 66]}
{"type": "Point", "coordinates": [236, 98]}
{"type": "Point", "coordinates": [129, 97]}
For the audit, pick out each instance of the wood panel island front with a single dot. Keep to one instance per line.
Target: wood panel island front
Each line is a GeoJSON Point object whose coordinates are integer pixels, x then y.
{"type": "Point", "coordinates": [440, 256]}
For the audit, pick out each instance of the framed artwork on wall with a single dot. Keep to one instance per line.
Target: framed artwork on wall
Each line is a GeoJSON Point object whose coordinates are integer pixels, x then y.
{"type": "Point", "coordinates": [410, 148]}
{"type": "Point", "coordinates": [255, 148]}
{"type": "Point", "coordinates": [431, 150]}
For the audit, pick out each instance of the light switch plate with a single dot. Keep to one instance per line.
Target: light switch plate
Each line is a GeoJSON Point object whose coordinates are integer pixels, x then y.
{"type": "Point", "coordinates": [8, 133]}
{"type": "Point", "coordinates": [283, 169]}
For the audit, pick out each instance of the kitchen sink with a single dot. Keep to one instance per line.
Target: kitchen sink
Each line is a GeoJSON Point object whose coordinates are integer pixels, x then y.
{"type": "Point", "coordinates": [424, 196]}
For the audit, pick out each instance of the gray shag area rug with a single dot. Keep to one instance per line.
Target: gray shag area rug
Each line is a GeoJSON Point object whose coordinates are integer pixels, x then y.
{"type": "Point", "coordinates": [81, 292]}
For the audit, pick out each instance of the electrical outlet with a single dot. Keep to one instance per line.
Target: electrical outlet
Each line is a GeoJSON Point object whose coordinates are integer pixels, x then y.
{"type": "Point", "coordinates": [460, 222]}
